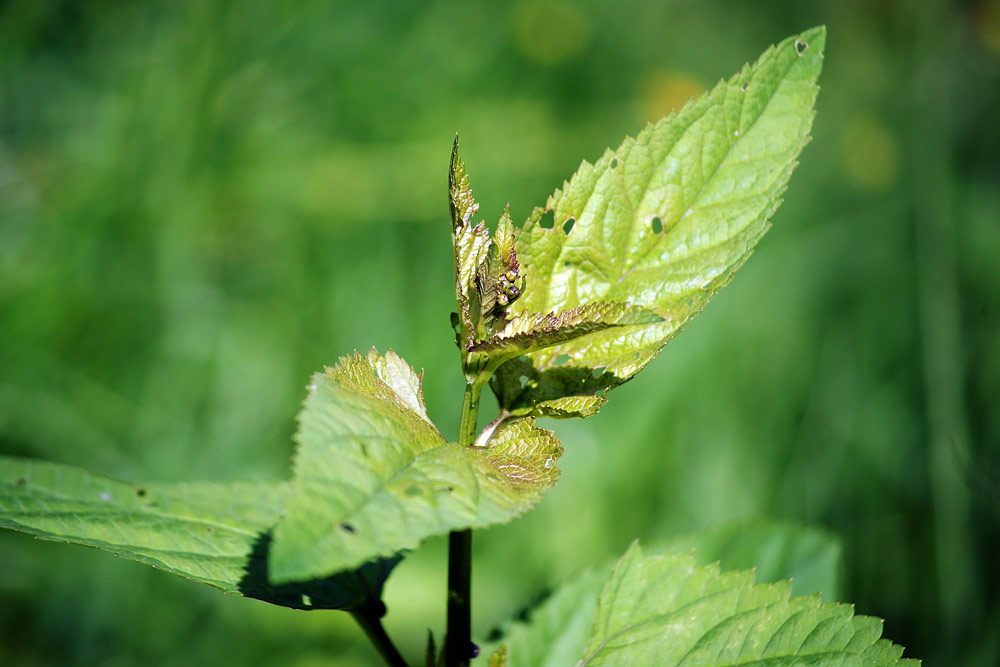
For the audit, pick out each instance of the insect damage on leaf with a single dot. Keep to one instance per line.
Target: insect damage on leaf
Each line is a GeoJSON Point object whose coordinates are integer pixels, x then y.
{"type": "Point", "coordinates": [662, 222]}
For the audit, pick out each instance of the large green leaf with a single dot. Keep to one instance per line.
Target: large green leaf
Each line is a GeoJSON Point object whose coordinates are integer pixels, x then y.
{"type": "Point", "coordinates": [556, 631]}
{"type": "Point", "coordinates": [662, 222]}
{"type": "Point", "coordinates": [213, 533]}
{"type": "Point", "coordinates": [372, 475]}
{"type": "Point", "coordinates": [667, 610]}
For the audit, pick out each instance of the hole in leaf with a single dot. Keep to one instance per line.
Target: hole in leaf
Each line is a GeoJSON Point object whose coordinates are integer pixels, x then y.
{"type": "Point", "coordinates": [524, 380]}
{"type": "Point", "coordinates": [657, 225]}
{"type": "Point", "coordinates": [413, 491]}
{"type": "Point", "coordinates": [140, 492]}
{"type": "Point", "coordinates": [800, 46]}
{"type": "Point", "coordinates": [492, 477]}
{"type": "Point", "coordinates": [745, 87]}
{"type": "Point", "coordinates": [306, 600]}
{"type": "Point", "coordinates": [561, 359]}
{"type": "Point", "coordinates": [348, 528]}
{"type": "Point", "coordinates": [568, 226]}
{"type": "Point", "coordinates": [614, 163]}
{"type": "Point", "coordinates": [548, 221]}
{"type": "Point", "coordinates": [599, 371]}
{"type": "Point", "coordinates": [151, 503]}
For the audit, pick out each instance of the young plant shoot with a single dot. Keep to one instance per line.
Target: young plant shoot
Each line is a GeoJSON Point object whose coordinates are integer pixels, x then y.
{"type": "Point", "coordinates": [551, 317]}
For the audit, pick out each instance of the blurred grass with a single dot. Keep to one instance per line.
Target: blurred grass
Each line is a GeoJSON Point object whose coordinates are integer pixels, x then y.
{"type": "Point", "coordinates": [201, 203]}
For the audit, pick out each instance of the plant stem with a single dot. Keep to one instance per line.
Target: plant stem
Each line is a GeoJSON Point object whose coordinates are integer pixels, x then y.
{"type": "Point", "coordinates": [370, 620]}
{"type": "Point", "coordinates": [458, 637]}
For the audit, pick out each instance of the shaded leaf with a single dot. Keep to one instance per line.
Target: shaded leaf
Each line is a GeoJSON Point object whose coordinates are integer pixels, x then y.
{"type": "Point", "coordinates": [373, 476]}
{"type": "Point", "coordinates": [809, 556]}
{"type": "Point", "coordinates": [555, 632]}
{"type": "Point", "coordinates": [665, 220]}
{"type": "Point", "coordinates": [212, 533]}
{"type": "Point", "coordinates": [667, 610]}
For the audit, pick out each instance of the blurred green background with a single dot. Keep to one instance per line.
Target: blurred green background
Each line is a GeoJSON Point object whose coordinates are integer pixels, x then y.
{"type": "Point", "coordinates": [201, 203]}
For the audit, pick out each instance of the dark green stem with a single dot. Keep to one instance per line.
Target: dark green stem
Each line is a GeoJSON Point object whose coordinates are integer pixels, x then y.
{"type": "Point", "coordinates": [458, 637]}
{"type": "Point", "coordinates": [369, 618]}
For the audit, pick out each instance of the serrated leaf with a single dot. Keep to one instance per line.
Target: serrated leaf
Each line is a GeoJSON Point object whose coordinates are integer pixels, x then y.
{"type": "Point", "coordinates": [373, 476]}
{"type": "Point", "coordinates": [665, 220]}
{"type": "Point", "coordinates": [212, 533]}
{"type": "Point", "coordinates": [667, 610]}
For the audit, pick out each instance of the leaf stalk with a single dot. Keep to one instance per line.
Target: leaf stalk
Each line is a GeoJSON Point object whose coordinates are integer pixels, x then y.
{"type": "Point", "coordinates": [369, 618]}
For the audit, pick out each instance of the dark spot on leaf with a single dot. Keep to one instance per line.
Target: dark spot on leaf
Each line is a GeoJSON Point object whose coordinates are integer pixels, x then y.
{"type": "Point", "coordinates": [209, 530]}
{"type": "Point", "coordinates": [548, 221]}
{"type": "Point", "coordinates": [561, 359]}
{"type": "Point", "coordinates": [614, 163]}
{"type": "Point", "coordinates": [20, 481]}
{"type": "Point", "coordinates": [140, 492]}
{"type": "Point", "coordinates": [364, 449]}
{"type": "Point", "coordinates": [348, 528]}
{"type": "Point", "coordinates": [568, 226]}
{"type": "Point", "coordinates": [800, 46]}
{"type": "Point", "coordinates": [413, 490]}
{"type": "Point", "coordinates": [657, 225]}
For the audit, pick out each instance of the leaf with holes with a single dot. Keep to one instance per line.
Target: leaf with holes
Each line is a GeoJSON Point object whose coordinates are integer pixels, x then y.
{"type": "Point", "coordinates": [662, 222]}
{"type": "Point", "coordinates": [212, 533]}
{"type": "Point", "coordinates": [667, 610]}
{"type": "Point", "coordinates": [372, 475]}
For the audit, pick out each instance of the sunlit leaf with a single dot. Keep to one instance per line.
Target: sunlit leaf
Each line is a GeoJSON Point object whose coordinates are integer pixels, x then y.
{"type": "Point", "coordinates": [372, 475]}
{"type": "Point", "coordinates": [665, 220]}
{"type": "Point", "coordinates": [667, 610]}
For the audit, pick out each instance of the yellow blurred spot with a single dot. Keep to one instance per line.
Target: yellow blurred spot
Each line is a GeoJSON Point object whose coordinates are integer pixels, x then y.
{"type": "Point", "coordinates": [869, 154]}
{"type": "Point", "coordinates": [987, 24]}
{"type": "Point", "coordinates": [665, 91]}
{"type": "Point", "coordinates": [549, 32]}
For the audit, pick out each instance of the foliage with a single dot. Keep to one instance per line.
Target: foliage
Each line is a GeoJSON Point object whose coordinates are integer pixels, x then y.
{"type": "Point", "coordinates": [552, 317]}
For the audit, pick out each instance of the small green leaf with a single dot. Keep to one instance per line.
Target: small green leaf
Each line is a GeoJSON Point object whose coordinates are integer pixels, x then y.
{"type": "Point", "coordinates": [499, 657]}
{"type": "Point", "coordinates": [373, 476]}
{"type": "Point", "coordinates": [667, 610]}
{"type": "Point", "coordinates": [664, 221]}
{"type": "Point", "coordinates": [212, 533]}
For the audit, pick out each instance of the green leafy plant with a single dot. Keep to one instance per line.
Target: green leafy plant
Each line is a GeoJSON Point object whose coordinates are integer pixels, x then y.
{"type": "Point", "coordinates": [551, 317]}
